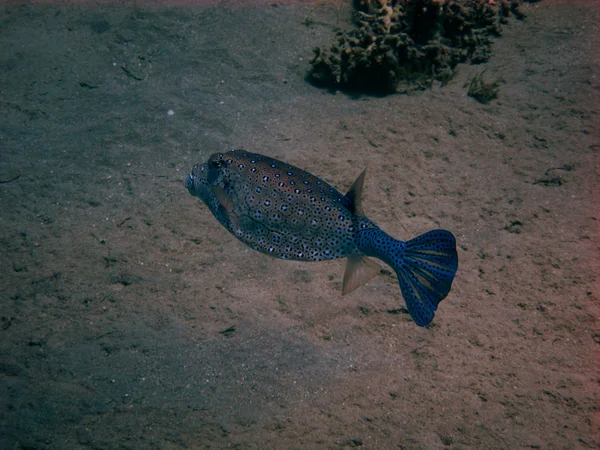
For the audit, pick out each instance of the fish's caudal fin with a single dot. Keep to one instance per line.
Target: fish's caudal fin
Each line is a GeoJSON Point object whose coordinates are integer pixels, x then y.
{"type": "Point", "coordinates": [425, 273]}
{"type": "Point", "coordinates": [425, 266]}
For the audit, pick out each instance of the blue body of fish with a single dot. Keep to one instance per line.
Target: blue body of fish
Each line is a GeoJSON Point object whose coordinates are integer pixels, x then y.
{"type": "Point", "coordinates": [287, 213]}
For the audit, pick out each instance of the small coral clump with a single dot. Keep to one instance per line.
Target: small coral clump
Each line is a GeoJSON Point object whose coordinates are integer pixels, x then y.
{"type": "Point", "coordinates": [482, 90]}
{"type": "Point", "coordinates": [412, 40]}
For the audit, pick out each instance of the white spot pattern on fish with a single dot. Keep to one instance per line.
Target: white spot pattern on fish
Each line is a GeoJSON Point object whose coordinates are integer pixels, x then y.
{"type": "Point", "coordinates": [270, 206]}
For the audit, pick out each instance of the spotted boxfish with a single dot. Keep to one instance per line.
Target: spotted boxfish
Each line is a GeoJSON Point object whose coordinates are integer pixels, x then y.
{"type": "Point", "coordinates": [287, 213]}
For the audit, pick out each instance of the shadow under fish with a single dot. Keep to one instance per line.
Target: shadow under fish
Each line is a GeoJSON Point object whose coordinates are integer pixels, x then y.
{"type": "Point", "coordinates": [287, 213]}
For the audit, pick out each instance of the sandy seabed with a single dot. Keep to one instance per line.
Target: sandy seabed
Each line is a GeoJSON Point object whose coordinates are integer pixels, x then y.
{"type": "Point", "coordinates": [131, 319]}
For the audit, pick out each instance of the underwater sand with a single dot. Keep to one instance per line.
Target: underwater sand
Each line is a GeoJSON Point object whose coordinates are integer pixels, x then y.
{"type": "Point", "coordinates": [130, 318]}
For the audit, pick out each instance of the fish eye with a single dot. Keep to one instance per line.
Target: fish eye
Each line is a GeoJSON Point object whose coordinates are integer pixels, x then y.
{"type": "Point", "coordinates": [216, 163]}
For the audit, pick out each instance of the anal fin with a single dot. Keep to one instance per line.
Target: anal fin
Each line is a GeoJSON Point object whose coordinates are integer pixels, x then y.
{"type": "Point", "coordinates": [359, 270]}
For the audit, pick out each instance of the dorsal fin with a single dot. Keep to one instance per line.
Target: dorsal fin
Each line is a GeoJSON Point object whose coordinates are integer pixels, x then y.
{"type": "Point", "coordinates": [359, 270]}
{"type": "Point", "coordinates": [354, 195]}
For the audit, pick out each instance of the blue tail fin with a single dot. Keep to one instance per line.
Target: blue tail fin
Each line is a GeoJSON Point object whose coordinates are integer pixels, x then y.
{"type": "Point", "coordinates": [425, 269]}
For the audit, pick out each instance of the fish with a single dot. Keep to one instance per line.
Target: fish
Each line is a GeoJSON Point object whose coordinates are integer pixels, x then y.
{"type": "Point", "coordinates": [287, 213]}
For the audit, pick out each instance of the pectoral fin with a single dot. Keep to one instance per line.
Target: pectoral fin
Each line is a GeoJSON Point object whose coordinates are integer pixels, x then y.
{"type": "Point", "coordinates": [359, 270]}
{"type": "Point", "coordinates": [227, 206]}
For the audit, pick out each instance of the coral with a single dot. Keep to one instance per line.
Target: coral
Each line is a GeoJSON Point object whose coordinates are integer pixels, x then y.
{"type": "Point", "coordinates": [412, 40]}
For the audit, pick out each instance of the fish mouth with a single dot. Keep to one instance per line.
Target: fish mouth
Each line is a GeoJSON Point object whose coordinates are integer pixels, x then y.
{"type": "Point", "coordinates": [197, 182]}
{"type": "Point", "coordinates": [189, 181]}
